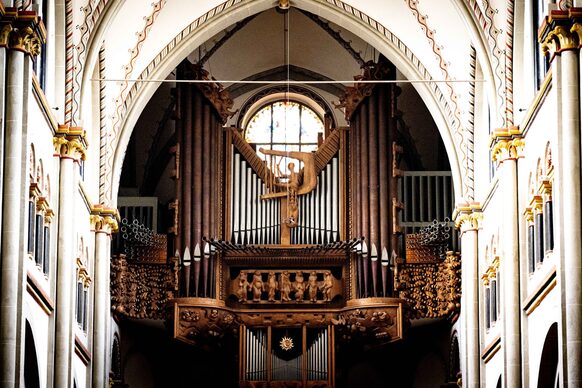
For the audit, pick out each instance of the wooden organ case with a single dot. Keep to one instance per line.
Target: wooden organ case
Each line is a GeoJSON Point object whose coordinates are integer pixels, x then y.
{"type": "Point", "coordinates": [290, 267]}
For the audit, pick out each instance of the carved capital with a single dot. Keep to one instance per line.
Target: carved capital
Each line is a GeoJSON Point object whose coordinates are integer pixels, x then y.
{"type": "Point", "coordinates": [70, 142]}
{"type": "Point", "coordinates": [528, 213]}
{"type": "Point", "coordinates": [104, 219]}
{"type": "Point", "coordinates": [468, 217]}
{"type": "Point", "coordinates": [560, 31]}
{"type": "Point", "coordinates": [546, 189]}
{"type": "Point", "coordinates": [507, 149]}
{"type": "Point", "coordinates": [537, 204]}
{"type": "Point", "coordinates": [22, 31]}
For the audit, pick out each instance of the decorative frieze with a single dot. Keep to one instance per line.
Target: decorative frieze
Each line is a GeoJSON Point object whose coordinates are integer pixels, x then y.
{"type": "Point", "coordinates": [285, 286]}
{"type": "Point", "coordinates": [374, 320]}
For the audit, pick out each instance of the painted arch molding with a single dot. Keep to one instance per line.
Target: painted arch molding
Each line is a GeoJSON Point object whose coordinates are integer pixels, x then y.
{"type": "Point", "coordinates": [426, 40]}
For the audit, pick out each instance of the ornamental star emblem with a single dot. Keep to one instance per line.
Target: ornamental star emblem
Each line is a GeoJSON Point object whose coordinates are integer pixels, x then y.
{"type": "Point", "coordinates": [286, 343]}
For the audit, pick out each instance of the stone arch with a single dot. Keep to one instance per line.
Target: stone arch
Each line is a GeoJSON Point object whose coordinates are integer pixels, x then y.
{"type": "Point", "coordinates": [548, 163]}
{"type": "Point", "coordinates": [32, 161]}
{"type": "Point", "coordinates": [548, 369]}
{"type": "Point", "coordinates": [454, 364]}
{"type": "Point", "coordinates": [233, 11]}
{"type": "Point", "coordinates": [31, 369]}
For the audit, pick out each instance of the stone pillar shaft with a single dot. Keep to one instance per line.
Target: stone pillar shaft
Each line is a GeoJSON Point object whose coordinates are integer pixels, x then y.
{"type": "Point", "coordinates": [467, 218]}
{"type": "Point", "coordinates": [11, 205]}
{"type": "Point", "coordinates": [100, 308]}
{"type": "Point", "coordinates": [510, 275]}
{"type": "Point", "coordinates": [64, 337]}
{"type": "Point", "coordinates": [572, 232]}
{"type": "Point", "coordinates": [471, 280]}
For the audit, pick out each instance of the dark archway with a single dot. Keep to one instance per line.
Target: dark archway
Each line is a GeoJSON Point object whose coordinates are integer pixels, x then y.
{"type": "Point", "coordinates": [31, 374]}
{"type": "Point", "coordinates": [549, 360]}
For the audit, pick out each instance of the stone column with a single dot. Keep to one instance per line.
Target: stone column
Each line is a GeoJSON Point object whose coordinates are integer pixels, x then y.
{"type": "Point", "coordinates": [105, 222]}
{"type": "Point", "coordinates": [506, 149]}
{"type": "Point", "coordinates": [19, 40]}
{"type": "Point", "coordinates": [467, 219]}
{"type": "Point", "coordinates": [560, 38]}
{"type": "Point", "coordinates": [70, 145]}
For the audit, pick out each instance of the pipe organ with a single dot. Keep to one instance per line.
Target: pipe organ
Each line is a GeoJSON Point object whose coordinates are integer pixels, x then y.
{"type": "Point", "coordinates": [253, 220]}
{"type": "Point", "coordinates": [294, 265]}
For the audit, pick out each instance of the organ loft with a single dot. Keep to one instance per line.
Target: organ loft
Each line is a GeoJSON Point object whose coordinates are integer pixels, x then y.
{"type": "Point", "coordinates": [286, 246]}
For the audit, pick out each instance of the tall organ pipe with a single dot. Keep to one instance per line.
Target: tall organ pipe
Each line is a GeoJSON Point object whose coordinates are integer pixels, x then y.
{"type": "Point", "coordinates": [373, 183]}
{"type": "Point", "coordinates": [198, 130]}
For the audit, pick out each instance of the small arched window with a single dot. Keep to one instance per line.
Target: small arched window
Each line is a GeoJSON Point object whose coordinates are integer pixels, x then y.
{"type": "Point", "coordinates": [285, 126]}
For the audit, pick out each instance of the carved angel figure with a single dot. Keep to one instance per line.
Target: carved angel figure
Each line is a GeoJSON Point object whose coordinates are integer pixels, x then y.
{"type": "Point", "coordinates": [299, 286]}
{"type": "Point", "coordinates": [243, 286]}
{"type": "Point", "coordinates": [257, 286]}
{"type": "Point", "coordinates": [312, 286]}
{"type": "Point", "coordinates": [272, 285]}
{"type": "Point", "coordinates": [285, 287]}
{"type": "Point", "coordinates": [327, 286]}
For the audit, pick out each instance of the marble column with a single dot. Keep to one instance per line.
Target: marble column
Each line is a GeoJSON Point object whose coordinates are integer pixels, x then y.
{"type": "Point", "coordinates": [467, 219]}
{"type": "Point", "coordinates": [506, 150]}
{"type": "Point", "coordinates": [105, 222]}
{"type": "Point", "coordinates": [70, 145]}
{"type": "Point", "coordinates": [17, 40]}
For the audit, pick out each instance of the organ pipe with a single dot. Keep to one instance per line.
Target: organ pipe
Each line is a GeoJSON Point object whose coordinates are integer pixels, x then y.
{"type": "Point", "coordinates": [198, 127]}
{"type": "Point", "coordinates": [373, 186]}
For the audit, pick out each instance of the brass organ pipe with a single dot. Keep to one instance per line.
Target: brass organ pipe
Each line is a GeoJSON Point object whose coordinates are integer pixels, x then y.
{"type": "Point", "coordinates": [179, 166]}
{"type": "Point", "coordinates": [236, 192]}
{"type": "Point", "coordinates": [249, 204]}
{"type": "Point", "coordinates": [213, 191]}
{"type": "Point", "coordinates": [243, 200]}
{"type": "Point", "coordinates": [186, 208]}
{"type": "Point", "coordinates": [373, 188]}
{"type": "Point", "coordinates": [197, 172]}
{"type": "Point", "coordinates": [207, 193]}
{"type": "Point", "coordinates": [364, 185]}
{"type": "Point", "coordinates": [335, 200]}
{"type": "Point", "coordinates": [384, 169]}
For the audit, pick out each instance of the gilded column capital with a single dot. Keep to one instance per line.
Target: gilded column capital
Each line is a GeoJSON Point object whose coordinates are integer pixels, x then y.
{"type": "Point", "coordinates": [22, 31]}
{"type": "Point", "coordinates": [528, 213]}
{"type": "Point", "coordinates": [70, 142]}
{"type": "Point", "coordinates": [537, 204]}
{"type": "Point", "coordinates": [507, 149]}
{"type": "Point", "coordinates": [560, 31]}
{"type": "Point", "coordinates": [468, 216]}
{"type": "Point", "coordinates": [546, 189]}
{"type": "Point", "coordinates": [83, 274]}
{"type": "Point", "coordinates": [104, 219]}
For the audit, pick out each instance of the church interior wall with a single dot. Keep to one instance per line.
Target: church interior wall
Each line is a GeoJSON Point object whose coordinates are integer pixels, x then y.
{"type": "Point", "coordinates": [144, 364]}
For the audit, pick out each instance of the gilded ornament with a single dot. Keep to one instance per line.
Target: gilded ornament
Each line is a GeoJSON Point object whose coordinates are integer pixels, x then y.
{"type": "Point", "coordinates": [286, 343]}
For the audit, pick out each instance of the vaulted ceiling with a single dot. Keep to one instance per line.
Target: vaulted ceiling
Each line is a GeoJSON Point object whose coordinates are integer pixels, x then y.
{"type": "Point", "coordinates": [428, 41]}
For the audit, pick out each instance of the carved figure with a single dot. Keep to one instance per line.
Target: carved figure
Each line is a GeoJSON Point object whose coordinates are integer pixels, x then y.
{"type": "Point", "coordinates": [299, 286]}
{"type": "Point", "coordinates": [257, 286]}
{"type": "Point", "coordinates": [327, 286]}
{"type": "Point", "coordinates": [312, 286]}
{"type": "Point", "coordinates": [272, 285]}
{"type": "Point", "coordinates": [285, 287]}
{"type": "Point", "coordinates": [294, 186]}
{"type": "Point", "coordinates": [243, 286]}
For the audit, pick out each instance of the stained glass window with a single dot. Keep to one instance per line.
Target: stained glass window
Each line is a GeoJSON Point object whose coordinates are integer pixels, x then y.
{"type": "Point", "coordinates": [285, 126]}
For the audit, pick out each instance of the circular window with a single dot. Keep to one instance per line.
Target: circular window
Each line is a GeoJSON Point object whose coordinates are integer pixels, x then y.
{"type": "Point", "coordinates": [285, 126]}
